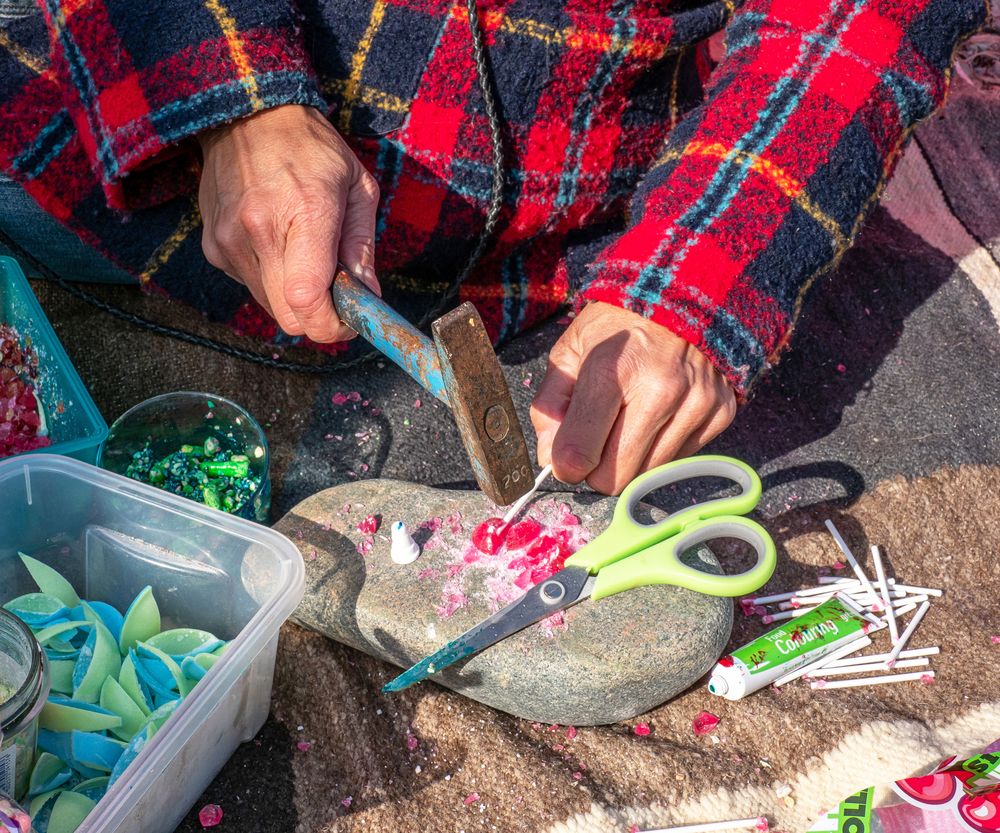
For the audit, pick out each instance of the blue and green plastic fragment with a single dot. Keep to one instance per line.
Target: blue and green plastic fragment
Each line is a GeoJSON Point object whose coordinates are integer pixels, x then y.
{"type": "Point", "coordinates": [219, 478]}
{"type": "Point", "coordinates": [116, 679]}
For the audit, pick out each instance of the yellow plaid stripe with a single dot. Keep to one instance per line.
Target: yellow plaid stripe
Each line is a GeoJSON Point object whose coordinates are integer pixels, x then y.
{"type": "Point", "coordinates": [789, 186]}
{"type": "Point", "coordinates": [189, 222]}
{"type": "Point", "coordinates": [26, 59]}
{"type": "Point", "coordinates": [358, 61]}
{"type": "Point", "coordinates": [364, 94]}
{"type": "Point", "coordinates": [570, 36]}
{"type": "Point", "coordinates": [239, 55]}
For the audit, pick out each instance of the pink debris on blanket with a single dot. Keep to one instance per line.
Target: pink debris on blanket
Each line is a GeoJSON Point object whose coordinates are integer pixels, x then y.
{"type": "Point", "coordinates": [995, 639]}
{"type": "Point", "coordinates": [641, 729]}
{"type": "Point", "coordinates": [570, 732]}
{"type": "Point", "coordinates": [488, 536]}
{"type": "Point", "coordinates": [416, 403]}
{"type": "Point", "coordinates": [411, 741]}
{"type": "Point", "coordinates": [369, 525]}
{"type": "Point", "coordinates": [471, 798]}
{"type": "Point", "coordinates": [927, 679]}
{"type": "Point", "coordinates": [762, 826]}
{"type": "Point", "coordinates": [210, 815]}
{"type": "Point", "coordinates": [704, 723]}
{"type": "Point", "coordinates": [354, 396]}
{"type": "Point", "coordinates": [347, 802]}
{"type": "Point", "coordinates": [838, 565]}
{"type": "Point", "coordinates": [338, 398]}
{"type": "Point", "coordinates": [577, 776]}
{"type": "Point", "coordinates": [842, 368]}
{"type": "Point", "coordinates": [303, 746]}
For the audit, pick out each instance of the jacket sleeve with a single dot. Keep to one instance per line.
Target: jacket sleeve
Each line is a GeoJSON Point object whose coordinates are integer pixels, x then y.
{"type": "Point", "coordinates": [142, 78]}
{"type": "Point", "coordinates": [761, 189]}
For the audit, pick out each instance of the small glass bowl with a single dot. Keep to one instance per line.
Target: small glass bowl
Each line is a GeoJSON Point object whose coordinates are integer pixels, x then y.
{"type": "Point", "coordinates": [171, 420]}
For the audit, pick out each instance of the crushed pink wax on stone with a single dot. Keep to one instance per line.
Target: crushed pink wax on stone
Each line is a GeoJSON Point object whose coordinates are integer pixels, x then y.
{"type": "Point", "coordinates": [487, 537]}
{"type": "Point", "coordinates": [210, 815]}
{"type": "Point", "coordinates": [416, 403]}
{"type": "Point", "coordinates": [704, 723]}
{"type": "Point", "coordinates": [642, 729]}
{"type": "Point", "coordinates": [303, 746]}
{"type": "Point", "coordinates": [471, 798]}
{"type": "Point", "coordinates": [522, 534]}
{"type": "Point", "coordinates": [369, 525]}
{"type": "Point", "coordinates": [365, 546]}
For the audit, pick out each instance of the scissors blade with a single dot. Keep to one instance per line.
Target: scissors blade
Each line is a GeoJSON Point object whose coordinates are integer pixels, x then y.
{"type": "Point", "coordinates": [564, 589]}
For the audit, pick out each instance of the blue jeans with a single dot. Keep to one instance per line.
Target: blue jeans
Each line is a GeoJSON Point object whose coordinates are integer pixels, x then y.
{"type": "Point", "coordinates": [43, 237]}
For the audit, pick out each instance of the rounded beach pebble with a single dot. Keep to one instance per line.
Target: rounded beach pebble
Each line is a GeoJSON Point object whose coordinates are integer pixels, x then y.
{"type": "Point", "coordinates": [599, 662]}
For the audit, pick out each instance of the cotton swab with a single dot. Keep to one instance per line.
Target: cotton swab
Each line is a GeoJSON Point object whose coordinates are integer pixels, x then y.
{"type": "Point", "coordinates": [758, 823]}
{"type": "Point", "coordinates": [521, 501]}
{"type": "Point", "coordinates": [909, 588]}
{"type": "Point", "coordinates": [831, 671]}
{"type": "Point", "coordinates": [890, 616]}
{"type": "Point", "coordinates": [909, 653]}
{"type": "Point", "coordinates": [837, 580]}
{"type": "Point", "coordinates": [863, 681]}
{"type": "Point", "coordinates": [906, 634]}
{"type": "Point", "coordinates": [852, 561]}
{"type": "Point", "coordinates": [909, 607]}
{"type": "Point", "coordinates": [824, 662]}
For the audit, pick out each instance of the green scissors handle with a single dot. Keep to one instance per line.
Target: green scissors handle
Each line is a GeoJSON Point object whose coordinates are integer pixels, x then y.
{"type": "Point", "coordinates": [632, 554]}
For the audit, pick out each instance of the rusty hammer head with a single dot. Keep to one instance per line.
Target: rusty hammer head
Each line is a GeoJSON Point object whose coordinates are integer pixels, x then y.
{"type": "Point", "coordinates": [459, 368]}
{"type": "Point", "coordinates": [482, 404]}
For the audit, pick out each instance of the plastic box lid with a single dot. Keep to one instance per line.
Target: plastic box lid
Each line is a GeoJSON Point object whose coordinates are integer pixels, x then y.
{"type": "Point", "coordinates": [111, 536]}
{"type": "Point", "coordinates": [80, 429]}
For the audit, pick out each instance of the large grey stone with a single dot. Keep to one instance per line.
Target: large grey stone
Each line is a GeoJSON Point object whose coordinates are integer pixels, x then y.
{"type": "Point", "coordinates": [610, 660]}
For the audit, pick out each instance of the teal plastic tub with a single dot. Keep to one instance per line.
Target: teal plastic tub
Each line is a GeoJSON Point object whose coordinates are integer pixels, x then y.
{"type": "Point", "coordinates": [76, 428]}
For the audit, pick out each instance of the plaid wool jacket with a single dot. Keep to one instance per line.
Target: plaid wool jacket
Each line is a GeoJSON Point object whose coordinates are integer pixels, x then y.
{"type": "Point", "coordinates": [705, 197]}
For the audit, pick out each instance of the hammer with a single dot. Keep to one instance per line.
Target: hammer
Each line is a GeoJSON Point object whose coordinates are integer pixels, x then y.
{"type": "Point", "coordinates": [458, 367]}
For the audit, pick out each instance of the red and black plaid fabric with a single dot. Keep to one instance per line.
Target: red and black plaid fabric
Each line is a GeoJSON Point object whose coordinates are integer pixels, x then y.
{"type": "Point", "coordinates": [708, 208]}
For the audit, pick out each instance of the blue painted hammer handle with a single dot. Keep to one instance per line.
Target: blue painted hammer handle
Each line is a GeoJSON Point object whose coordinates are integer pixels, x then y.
{"type": "Point", "coordinates": [386, 330]}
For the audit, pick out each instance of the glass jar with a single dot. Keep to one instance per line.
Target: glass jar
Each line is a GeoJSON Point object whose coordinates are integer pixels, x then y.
{"type": "Point", "coordinates": [24, 687]}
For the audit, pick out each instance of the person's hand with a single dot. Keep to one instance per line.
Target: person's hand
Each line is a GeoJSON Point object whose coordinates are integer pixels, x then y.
{"type": "Point", "coordinates": [283, 198]}
{"type": "Point", "coordinates": [622, 395]}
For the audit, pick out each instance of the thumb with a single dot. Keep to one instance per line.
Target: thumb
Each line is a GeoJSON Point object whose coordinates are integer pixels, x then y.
{"type": "Point", "coordinates": [357, 234]}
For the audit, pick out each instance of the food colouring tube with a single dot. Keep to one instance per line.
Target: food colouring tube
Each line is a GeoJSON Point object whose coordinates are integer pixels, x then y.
{"type": "Point", "coordinates": [787, 648]}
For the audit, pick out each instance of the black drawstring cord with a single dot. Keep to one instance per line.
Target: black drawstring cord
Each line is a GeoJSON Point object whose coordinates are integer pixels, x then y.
{"type": "Point", "coordinates": [492, 218]}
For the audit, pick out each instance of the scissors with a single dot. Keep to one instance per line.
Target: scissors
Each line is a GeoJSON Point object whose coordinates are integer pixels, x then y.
{"type": "Point", "coordinates": [631, 554]}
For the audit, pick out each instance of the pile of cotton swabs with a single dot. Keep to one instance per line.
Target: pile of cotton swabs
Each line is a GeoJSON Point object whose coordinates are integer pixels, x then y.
{"type": "Point", "coordinates": [884, 601]}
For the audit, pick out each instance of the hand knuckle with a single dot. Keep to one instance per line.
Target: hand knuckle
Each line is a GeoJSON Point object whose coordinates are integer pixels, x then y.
{"type": "Point", "coordinates": [304, 295]}
{"type": "Point", "coordinates": [227, 236]}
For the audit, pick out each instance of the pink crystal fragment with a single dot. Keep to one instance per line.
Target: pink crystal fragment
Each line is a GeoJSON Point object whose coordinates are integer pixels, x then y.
{"type": "Point", "coordinates": [416, 403]}
{"type": "Point", "coordinates": [210, 815]}
{"type": "Point", "coordinates": [704, 723]}
{"type": "Point", "coordinates": [762, 826]}
{"type": "Point", "coordinates": [338, 398]}
{"type": "Point", "coordinates": [927, 679]}
{"type": "Point", "coordinates": [471, 798]}
{"type": "Point", "coordinates": [365, 546]}
{"type": "Point", "coordinates": [837, 565]}
{"type": "Point", "coordinates": [303, 746]}
{"type": "Point", "coordinates": [346, 802]}
{"type": "Point", "coordinates": [641, 729]}
{"type": "Point", "coordinates": [842, 368]}
{"type": "Point", "coordinates": [577, 776]}
{"type": "Point", "coordinates": [995, 639]}
{"type": "Point", "coordinates": [570, 732]}
{"type": "Point", "coordinates": [488, 536]}
{"type": "Point", "coordinates": [427, 572]}
{"type": "Point", "coordinates": [412, 742]}
{"type": "Point", "coordinates": [354, 396]}
{"type": "Point", "coordinates": [369, 525]}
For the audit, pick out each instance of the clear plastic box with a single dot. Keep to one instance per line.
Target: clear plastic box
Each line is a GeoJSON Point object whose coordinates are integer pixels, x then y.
{"type": "Point", "coordinates": [78, 429]}
{"type": "Point", "coordinates": [111, 537]}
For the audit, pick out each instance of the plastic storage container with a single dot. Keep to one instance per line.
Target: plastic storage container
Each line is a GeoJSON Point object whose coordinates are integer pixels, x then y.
{"type": "Point", "coordinates": [111, 537]}
{"type": "Point", "coordinates": [78, 430]}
